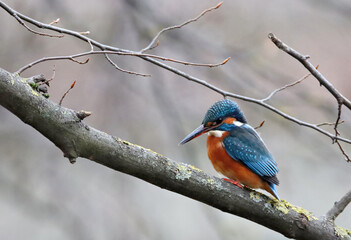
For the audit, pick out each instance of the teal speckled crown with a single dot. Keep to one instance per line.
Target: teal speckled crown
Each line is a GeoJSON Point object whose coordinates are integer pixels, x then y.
{"type": "Point", "coordinates": [222, 109]}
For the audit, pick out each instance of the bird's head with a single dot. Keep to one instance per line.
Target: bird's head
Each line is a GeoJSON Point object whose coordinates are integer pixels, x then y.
{"type": "Point", "coordinates": [221, 116]}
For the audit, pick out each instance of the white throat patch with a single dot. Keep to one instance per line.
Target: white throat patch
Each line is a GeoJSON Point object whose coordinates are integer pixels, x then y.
{"type": "Point", "coordinates": [238, 123]}
{"type": "Point", "coordinates": [216, 133]}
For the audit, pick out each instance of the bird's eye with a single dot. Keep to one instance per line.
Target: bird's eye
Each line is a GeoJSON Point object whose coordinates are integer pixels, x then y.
{"type": "Point", "coordinates": [218, 121]}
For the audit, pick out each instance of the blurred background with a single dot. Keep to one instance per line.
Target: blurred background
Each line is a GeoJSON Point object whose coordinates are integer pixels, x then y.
{"type": "Point", "coordinates": [43, 196]}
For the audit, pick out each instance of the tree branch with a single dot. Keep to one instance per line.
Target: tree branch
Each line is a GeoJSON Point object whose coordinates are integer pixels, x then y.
{"type": "Point", "coordinates": [303, 59]}
{"type": "Point", "coordinates": [339, 207]}
{"type": "Point", "coordinates": [65, 129]}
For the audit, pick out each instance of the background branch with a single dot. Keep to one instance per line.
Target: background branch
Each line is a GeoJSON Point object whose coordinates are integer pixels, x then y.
{"type": "Point", "coordinates": [195, 79]}
{"type": "Point", "coordinates": [303, 59]}
{"type": "Point", "coordinates": [65, 129]}
{"type": "Point", "coordinates": [154, 43]}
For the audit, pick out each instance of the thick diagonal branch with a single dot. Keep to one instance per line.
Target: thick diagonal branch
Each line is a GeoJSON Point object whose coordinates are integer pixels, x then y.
{"type": "Point", "coordinates": [65, 129]}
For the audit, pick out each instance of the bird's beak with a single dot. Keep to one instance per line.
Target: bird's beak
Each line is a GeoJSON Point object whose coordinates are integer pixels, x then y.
{"type": "Point", "coordinates": [197, 132]}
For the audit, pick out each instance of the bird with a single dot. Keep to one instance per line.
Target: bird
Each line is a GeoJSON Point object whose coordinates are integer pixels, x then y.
{"type": "Point", "coordinates": [235, 148]}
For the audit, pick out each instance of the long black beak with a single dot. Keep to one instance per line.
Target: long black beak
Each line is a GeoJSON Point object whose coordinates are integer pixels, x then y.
{"type": "Point", "coordinates": [194, 134]}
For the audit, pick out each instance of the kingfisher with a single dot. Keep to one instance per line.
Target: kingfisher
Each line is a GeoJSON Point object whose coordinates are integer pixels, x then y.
{"type": "Point", "coordinates": [235, 148]}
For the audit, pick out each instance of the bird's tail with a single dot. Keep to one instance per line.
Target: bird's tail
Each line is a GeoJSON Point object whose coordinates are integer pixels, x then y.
{"type": "Point", "coordinates": [273, 190]}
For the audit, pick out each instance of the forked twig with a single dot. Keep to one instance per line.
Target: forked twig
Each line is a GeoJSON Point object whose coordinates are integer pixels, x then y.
{"type": "Point", "coordinates": [303, 59]}
{"type": "Point", "coordinates": [285, 87]}
{"type": "Point", "coordinates": [33, 31]}
{"type": "Point", "coordinates": [152, 43]}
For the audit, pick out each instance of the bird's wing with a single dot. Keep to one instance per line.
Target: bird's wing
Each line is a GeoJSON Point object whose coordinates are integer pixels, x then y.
{"type": "Point", "coordinates": [245, 145]}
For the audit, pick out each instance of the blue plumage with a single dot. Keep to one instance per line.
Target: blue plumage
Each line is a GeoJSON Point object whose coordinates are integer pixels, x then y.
{"type": "Point", "coordinates": [245, 145]}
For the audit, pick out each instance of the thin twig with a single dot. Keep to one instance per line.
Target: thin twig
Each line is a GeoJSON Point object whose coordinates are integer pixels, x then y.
{"type": "Point", "coordinates": [328, 124]}
{"type": "Point", "coordinates": [79, 62]}
{"type": "Point", "coordinates": [339, 207]}
{"type": "Point", "coordinates": [72, 58]}
{"type": "Point", "coordinates": [33, 31]}
{"type": "Point", "coordinates": [303, 59]}
{"type": "Point", "coordinates": [337, 119]}
{"type": "Point", "coordinates": [335, 140]}
{"type": "Point", "coordinates": [152, 43]}
{"type": "Point", "coordinates": [91, 46]}
{"type": "Point", "coordinates": [285, 87]}
{"type": "Point", "coordinates": [55, 21]}
{"type": "Point", "coordinates": [123, 70]}
{"type": "Point", "coordinates": [347, 158]}
{"type": "Point", "coordinates": [52, 77]}
{"type": "Point", "coordinates": [211, 65]}
{"type": "Point", "coordinates": [155, 46]}
{"type": "Point", "coordinates": [84, 33]}
{"type": "Point", "coordinates": [260, 125]}
{"type": "Point", "coordinates": [64, 95]}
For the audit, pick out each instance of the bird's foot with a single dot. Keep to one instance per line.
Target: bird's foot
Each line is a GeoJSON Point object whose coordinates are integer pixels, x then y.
{"type": "Point", "coordinates": [233, 182]}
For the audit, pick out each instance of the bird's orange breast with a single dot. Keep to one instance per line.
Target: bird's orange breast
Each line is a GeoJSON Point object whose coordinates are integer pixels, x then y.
{"type": "Point", "coordinates": [229, 167]}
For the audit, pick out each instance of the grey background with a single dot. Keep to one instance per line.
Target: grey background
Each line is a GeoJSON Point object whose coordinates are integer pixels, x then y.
{"type": "Point", "coordinates": [43, 196]}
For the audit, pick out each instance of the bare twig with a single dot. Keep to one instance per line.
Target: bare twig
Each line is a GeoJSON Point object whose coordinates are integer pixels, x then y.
{"type": "Point", "coordinates": [338, 207]}
{"type": "Point", "coordinates": [285, 87]}
{"type": "Point", "coordinates": [152, 43]}
{"type": "Point", "coordinates": [303, 59]}
{"type": "Point", "coordinates": [211, 65]}
{"type": "Point", "coordinates": [64, 95]}
{"type": "Point", "coordinates": [337, 119]}
{"type": "Point", "coordinates": [347, 158]}
{"type": "Point", "coordinates": [79, 62]}
{"type": "Point", "coordinates": [260, 125]}
{"type": "Point", "coordinates": [155, 46]}
{"type": "Point", "coordinates": [91, 46]}
{"type": "Point", "coordinates": [52, 77]}
{"type": "Point", "coordinates": [84, 33]}
{"type": "Point", "coordinates": [55, 21]}
{"type": "Point", "coordinates": [33, 31]}
{"type": "Point", "coordinates": [44, 59]}
{"type": "Point", "coordinates": [72, 58]}
{"type": "Point", "coordinates": [335, 140]}
{"type": "Point", "coordinates": [328, 124]}
{"type": "Point", "coordinates": [123, 70]}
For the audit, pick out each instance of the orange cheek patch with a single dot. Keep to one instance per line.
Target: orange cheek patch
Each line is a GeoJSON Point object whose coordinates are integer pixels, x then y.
{"type": "Point", "coordinates": [229, 120]}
